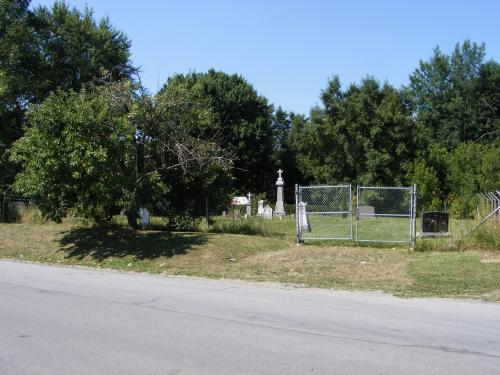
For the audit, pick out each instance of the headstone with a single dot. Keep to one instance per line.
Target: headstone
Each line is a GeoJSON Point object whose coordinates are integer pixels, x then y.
{"type": "Point", "coordinates": [144, 217]}
{"type": "Point", "coordinates": [268, 213]}
{"type": "Point", "coordinates": [435, 222]}
{"type": "Point", "coordinates": [366, 212]}
{"type": "Point", "coordinates": [17, 206]}
{"type": "Point", "coordinates": [303, 219]}
{"type": "Point", "coordinates": [123, 212]}
{"type": "Point", "coordinates": [280, 207]}
{"type": "Point", "coordinates": [239, 201]}
{"type": "Point", "coordinates": [249, 204]}
{"type": "Point", "coordinates": [224, 214]}
{"type": "Point", "coordinates": [260, 208]}
{"type": "Point", "coordinates": [236, 213]}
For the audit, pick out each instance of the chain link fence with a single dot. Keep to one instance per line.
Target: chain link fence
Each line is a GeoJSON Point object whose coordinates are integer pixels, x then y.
{"type": "Point", "coordinates": [324, 212]}
{"type": "Point", "coordinates": [381, 214]}
{"type": "Point", "coordinates": [385, 214]}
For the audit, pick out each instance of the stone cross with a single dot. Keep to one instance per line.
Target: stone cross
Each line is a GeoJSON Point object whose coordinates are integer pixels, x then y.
{"type": "Point", "coordinates": [280, 207]}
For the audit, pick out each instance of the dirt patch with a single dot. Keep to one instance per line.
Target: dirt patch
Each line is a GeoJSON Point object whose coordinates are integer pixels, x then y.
{"type": "Point", "coordinates": [366, 268]}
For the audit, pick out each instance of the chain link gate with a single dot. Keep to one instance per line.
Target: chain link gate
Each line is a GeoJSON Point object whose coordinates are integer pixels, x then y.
{"type": "Point", "coordinates": [383, 214]}
{"type": "Point", "coordinates": [324, 212]}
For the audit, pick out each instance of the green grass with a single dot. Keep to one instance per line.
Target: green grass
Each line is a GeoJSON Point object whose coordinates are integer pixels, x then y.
{"type": "Point", "coordinates": [453, 274]}
{"type": "Point", "coordinates": [267, 253]}
{"type": "Point", "coordinates": [280, 228]}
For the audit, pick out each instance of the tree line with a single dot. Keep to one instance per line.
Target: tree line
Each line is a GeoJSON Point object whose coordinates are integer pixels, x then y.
{"type": "Point", "coordinates": [78, 132]}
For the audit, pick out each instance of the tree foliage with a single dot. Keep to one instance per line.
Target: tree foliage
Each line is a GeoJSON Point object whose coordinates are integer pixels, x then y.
{"type": "Point", "coordinates": [77, 152]}
{"type": "Point", "coordinates": [360, 135]}
{"type": "Point", "coordinates": [44, 50]}
{"type": "Point", "coordinates": [243, 120]}
{"type": "Point", "coordinates": [106, 147]}
{"type": "Point", "coordinates": [455, 97]}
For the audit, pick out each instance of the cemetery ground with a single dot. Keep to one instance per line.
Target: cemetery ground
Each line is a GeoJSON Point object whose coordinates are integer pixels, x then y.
{"type": "Point", "coordinates": [254, 250]}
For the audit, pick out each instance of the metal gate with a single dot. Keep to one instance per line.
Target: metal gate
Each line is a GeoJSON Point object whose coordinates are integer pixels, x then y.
{"type": "Point", "coordinates": [324, 212]}
{"type": "Point", "coordinates": [385, 214]}
{"type": "Point", "coordinates": [382, 214]}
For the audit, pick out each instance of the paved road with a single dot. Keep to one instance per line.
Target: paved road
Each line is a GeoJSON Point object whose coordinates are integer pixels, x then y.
{"type": "Point", "coordinates": [57, 320]}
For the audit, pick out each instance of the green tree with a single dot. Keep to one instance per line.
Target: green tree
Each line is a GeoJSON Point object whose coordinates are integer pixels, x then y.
{"type": "Point", "coordinates": [284, 152]}
{"type": "Point", "coordinates": [455, 97]}
{"type": "Point", "coordinates": [78, 152]}
{"type": "Point", "coordinates": [243, 121]}
{"type": "Point", "coordinates": [473, 168]}
{"type": "Point", "coordinates": [43, 50]}
{"type": "Point", "coordinates": [110, 147]}
{"type": "Point", "coordinates": [361, 135]}
{"type": "Point", "coordinates": [189, 157]}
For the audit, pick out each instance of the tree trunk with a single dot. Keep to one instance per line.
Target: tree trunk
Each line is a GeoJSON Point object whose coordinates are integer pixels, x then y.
{"type": "Point", "coordinates": [132, 219]}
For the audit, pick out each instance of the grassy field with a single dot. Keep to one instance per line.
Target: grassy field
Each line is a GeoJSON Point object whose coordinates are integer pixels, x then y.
{"type": "Point", "coordinates": [265, 252]}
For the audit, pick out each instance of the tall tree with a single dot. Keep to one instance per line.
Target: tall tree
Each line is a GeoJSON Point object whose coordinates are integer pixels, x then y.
{"type": "Point", "coordinates": [243, 121]}
{"type": "Point", "coordinates": [105, 148]}
{"type": "Point", "coordinates": [43, 50]}
{"type": "Point", "coordinates": [360, 135]}
{"type": "Point", "coordinates": [456, 97]}
{"type": "Point", "coordinates": [284, 152]}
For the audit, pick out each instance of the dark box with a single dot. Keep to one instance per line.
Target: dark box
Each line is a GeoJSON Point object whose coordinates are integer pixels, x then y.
{"type": "Point", "coordinates": [434, 222]}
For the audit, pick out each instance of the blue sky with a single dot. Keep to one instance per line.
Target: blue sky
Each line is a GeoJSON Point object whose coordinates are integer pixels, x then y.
{"type": "Point", "coordinates": [288, 49]}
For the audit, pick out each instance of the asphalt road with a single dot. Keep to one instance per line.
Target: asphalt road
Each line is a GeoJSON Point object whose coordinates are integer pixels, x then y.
{"type": "Point", "coordinates": [61, 320]}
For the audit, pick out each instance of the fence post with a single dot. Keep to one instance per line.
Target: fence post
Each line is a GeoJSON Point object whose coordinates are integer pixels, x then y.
{"type": "Point", "coordinates": [414, 215]}
{"type": "Point", "coordinates": [297, 214]}
{"type": "Point", "coordinates": [350, 210]}
{"type": "Point", "coordinates": [357, 210]}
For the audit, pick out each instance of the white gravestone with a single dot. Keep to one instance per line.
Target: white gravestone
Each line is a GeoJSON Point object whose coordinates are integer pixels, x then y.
{"type": "Point", "coordinates": [144, 217]}
{"type": "Point", "coordinates": [268, 213]}
{"type": "Point", "coordinates": [260, 208]}
{"type": "Point", "coordinates": [249, 204]}
{"type": "Point", "coordinates": [366, 212]}
{"type": "Point", "coordinates": [280, 207]}
{"type": "Point", "coordinates": [303, 219]}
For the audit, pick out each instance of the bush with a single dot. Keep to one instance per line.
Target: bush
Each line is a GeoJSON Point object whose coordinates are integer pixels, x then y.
{"type": "Point", "coordinates": [182, 222]}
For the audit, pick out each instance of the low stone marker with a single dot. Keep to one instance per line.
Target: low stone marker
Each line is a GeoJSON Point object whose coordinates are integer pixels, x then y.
{"type": "Point", "coordinates": [303, 219]}
{"type": "Point", "coordinates": [260, 208]}
{"type": "Point", "coordinates": [435, 224]}
{"type": "Point", "coordinates": [144, 217]}
{"type": "Point", "coordinates": [268, 213]}
{"type": "Point", "coordinates": [366, 212]}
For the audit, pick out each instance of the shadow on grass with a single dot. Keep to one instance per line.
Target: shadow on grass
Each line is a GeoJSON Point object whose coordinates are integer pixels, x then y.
{"type": "Point", "coordinates": [104, 242]}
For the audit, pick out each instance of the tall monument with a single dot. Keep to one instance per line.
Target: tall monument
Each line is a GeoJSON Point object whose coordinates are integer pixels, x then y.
{"type": "Point", "coordinates": [280, 207]}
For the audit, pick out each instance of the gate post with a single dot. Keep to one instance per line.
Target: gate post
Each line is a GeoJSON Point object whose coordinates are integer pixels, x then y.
{"type": "Point", "coordinates": [297, 214]}
{"type": "Point", "coordinates": [414, 213]}
{"type": "Point", "coordinates": [350, 210]}
{"type": "Point", "coordinates": [357, 211]}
